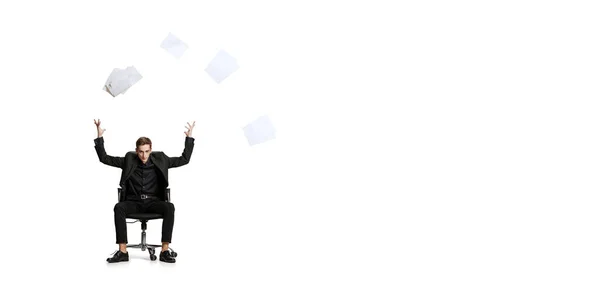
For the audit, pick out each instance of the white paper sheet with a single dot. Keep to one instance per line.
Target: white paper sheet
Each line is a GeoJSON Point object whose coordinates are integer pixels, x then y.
{"type": "Point", "coordinates": [259, 131]}
{"type": "Point", "coordinates": [221, 66]}
{"type": "Point", "coordinates": [174, 46]}
{"type": "Point", "coordinates": [120, 80]}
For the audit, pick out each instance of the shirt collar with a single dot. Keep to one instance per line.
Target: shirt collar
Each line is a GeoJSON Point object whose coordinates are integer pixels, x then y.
{"type": "Point", "coordinates": [149, 162]}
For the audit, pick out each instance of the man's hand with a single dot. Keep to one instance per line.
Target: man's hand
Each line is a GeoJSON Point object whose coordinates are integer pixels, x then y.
{"type": "Point", "coordinates": [100, 130]}
{"type": "Point", "coordinates": [190, 128]}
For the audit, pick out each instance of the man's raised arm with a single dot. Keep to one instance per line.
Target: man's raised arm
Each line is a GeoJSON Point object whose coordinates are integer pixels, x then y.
{"type": "Point", "coordinates": [187, 150]}
{"type": "Point", "coordinates": [104, 158]}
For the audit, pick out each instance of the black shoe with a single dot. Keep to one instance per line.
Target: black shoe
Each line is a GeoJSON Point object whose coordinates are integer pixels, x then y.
{"type": "Point", "coordinates": [118, 257]}
{"type": "Point", "coordinates": [167, 257]}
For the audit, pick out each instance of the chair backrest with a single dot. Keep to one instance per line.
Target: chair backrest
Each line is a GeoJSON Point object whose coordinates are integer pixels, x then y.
{"type": "Point", "coordinates": [122, 197]}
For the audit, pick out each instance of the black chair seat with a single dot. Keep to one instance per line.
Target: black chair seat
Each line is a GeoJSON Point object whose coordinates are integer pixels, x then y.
{"type": "Point", "coordinates": [144, 216]}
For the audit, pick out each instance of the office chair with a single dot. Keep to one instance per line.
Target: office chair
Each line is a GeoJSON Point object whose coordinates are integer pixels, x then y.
{"type": "Point", "coordinates": [144, 218]}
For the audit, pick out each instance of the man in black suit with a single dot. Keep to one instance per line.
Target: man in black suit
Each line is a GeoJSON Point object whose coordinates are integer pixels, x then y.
{"type": "Point", "coordinates": [144, 180]}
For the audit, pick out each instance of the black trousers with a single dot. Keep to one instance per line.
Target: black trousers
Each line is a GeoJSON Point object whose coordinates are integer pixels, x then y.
{"type": "Point", "coordinates": [167, 210]}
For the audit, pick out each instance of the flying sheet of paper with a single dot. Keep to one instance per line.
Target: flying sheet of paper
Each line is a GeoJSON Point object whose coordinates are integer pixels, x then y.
{"type": "Point", "coordinates": [222, 66]}
{"type": "Point", "coordinates": [121, 80]}
{"type": "Point", "coordinates": [259, 131]}
{"type": "Point", "coordinates": [174, 46]}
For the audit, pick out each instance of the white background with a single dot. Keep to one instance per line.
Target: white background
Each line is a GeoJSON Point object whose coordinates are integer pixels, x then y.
{"type": "Point", "coordinates": [422, 147]}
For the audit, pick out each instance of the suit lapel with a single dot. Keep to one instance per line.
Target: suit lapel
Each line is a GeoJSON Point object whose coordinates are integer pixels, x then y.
{"type": "Point", "coordinates": [129, 166]}
{"type": "Point", "coordinates": [160, 164]}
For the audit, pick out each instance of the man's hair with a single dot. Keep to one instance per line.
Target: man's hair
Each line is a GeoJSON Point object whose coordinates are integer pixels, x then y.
{"type": "Point", "coordinates": [143, 141]}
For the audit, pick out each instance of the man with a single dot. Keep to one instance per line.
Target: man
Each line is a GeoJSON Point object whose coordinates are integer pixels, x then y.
{"type": "Point", "coordinates": [144, 180]}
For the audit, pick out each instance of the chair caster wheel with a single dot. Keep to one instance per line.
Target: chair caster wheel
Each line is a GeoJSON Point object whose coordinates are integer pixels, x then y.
{"type": "Point", "coordinates": [151, 251]}
{"type": "Point", "coordinates": [173, 253]}
{"type": "Point", "coordinates": [152, 257]}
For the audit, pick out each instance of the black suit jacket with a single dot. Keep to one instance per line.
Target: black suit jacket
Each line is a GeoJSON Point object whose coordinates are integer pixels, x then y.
{"type": "Point", "coordinates": [159, 158]}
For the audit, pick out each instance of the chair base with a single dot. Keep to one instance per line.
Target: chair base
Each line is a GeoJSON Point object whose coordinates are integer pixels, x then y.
{"type": "Point", "coordinates": [144, 246]}
{"type": "Point", "coordinates": [150, 247]}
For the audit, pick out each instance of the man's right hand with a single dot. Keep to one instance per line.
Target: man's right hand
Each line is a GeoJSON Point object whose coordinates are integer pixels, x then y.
{"type": "Point", "coordinates": [100, 130]}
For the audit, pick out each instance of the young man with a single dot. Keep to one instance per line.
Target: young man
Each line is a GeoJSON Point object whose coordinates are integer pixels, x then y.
{"type": "Point", "coordinates": [144, 180]}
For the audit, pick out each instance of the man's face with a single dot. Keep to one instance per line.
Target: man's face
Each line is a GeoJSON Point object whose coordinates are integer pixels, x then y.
{"type": "Point", "coordinates": [143, 152]}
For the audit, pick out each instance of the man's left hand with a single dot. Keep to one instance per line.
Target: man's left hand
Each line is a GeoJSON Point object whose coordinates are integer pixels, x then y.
{"type": "Point", "coordinates": [190, 127]}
